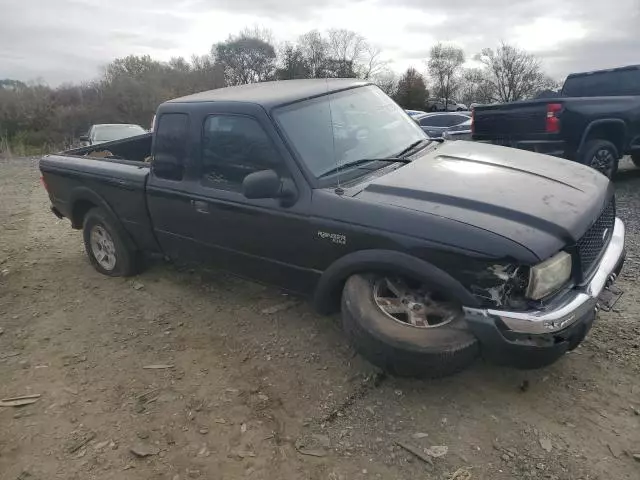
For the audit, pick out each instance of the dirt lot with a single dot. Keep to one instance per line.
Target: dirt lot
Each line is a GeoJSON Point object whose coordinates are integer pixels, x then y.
{"type": "Point", "coordinates": [260, 387]}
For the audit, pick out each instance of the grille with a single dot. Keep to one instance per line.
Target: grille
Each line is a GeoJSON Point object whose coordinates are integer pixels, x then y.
{"type": "Point", "coordinates": [596, 238]}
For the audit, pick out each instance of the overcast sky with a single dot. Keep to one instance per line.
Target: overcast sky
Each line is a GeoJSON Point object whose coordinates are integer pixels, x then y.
{"type": "Point", "coordinates": [70, 40]}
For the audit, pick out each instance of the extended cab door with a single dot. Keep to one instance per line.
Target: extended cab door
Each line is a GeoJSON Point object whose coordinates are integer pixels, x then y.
{"type": "Point", "coordinates": [202, 215]}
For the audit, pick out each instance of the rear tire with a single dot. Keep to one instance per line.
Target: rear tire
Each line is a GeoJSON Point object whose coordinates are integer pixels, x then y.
{"type": "Point", "coordinates": [106, 247]}
{"type": "Point", "coordinates": [601, 155]}
{"type": "Point", "coordinates": [399, 348]}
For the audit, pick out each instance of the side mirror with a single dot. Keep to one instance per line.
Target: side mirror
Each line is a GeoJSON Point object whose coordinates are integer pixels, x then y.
{"type": "Point", "coordinates": [262, 184]}
{"type": "Point", "coordinates": [267, 184]}
{"type": "Point", "coordinates": [84, 138]}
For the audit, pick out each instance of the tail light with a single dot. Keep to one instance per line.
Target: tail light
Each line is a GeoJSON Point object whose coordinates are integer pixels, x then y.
{"type": "Point", "coordinates": [44, 183]}
{"type": "Point", "coordinates": [553, 121]}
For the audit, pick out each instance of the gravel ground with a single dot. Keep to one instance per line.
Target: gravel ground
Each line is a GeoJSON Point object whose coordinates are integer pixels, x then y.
{"type": "Point", "coordinates": [249, 383]}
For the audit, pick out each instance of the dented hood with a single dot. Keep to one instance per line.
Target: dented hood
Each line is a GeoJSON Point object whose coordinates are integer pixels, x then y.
{"type": "Point", "coordinates": [541, 202]}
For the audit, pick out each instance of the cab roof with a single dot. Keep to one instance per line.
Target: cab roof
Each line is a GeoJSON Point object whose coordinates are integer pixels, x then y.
{"type": "Point", "coordinates": [272, 94]}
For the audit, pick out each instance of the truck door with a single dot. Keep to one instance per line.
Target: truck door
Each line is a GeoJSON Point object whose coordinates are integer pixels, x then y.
{"type": "Point", "coordinates": [168, 188]}
{"type": "Point", "coordinates": [257, 238]}
{"type": "Point", "coordinates": [199, 212]}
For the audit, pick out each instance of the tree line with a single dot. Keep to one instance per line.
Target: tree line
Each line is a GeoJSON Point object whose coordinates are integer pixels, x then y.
{"type": "Point", "coordinates": [130, 88]}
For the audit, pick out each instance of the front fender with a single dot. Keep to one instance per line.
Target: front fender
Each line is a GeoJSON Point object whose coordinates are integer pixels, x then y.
{"type": "Point", "coordinates": [329, 289]}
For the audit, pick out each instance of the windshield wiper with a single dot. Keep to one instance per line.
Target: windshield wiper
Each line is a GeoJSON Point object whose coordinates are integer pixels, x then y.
{"type": "Point", "coordinates": [412, 146]}
{"type": "Point", "coordinates": [364, 160]}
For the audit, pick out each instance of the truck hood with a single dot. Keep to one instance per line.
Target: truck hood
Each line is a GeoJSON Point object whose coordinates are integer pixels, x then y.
{"type": "Point", "coordinates": [540, 202]}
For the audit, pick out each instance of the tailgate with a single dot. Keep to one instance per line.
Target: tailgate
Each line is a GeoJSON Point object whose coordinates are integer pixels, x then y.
{"type": "Point", "coordinates": [510, 120]}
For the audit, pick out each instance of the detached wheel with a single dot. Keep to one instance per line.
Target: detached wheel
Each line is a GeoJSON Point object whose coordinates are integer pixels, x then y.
{"type": "Point", "coordinates": [106, 247]}
{"type": "Point", "coordinates": [404, 328]}
{"type": "Point", "coordinates": [602, 156]}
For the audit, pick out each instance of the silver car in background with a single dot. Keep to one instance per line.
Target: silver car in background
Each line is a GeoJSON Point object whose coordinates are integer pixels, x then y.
{"type": "Point", "coordinates": [436, 124]}
{"type": "Point", "coordinates": [459, 132]}
{"type": "Point", "coordinates": [108, 132]}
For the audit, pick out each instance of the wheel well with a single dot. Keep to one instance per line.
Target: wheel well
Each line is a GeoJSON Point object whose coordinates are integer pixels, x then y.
{"type": "Point", "coordinates": [331, 303]}
{"type": "Point", "coordinates": [80, 209]}
{"type": "Point", "coordinates": [328, 294]}
{"type": "Point", "coordinates": [612, 132]}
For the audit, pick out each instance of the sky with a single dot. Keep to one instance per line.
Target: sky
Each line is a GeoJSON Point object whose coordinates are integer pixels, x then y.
{"type": "Point", "coordinates": [58, 41]}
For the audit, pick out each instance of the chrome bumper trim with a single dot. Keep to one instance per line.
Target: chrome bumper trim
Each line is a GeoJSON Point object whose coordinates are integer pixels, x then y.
{"type": "Point", "coordinates": [572, 307]}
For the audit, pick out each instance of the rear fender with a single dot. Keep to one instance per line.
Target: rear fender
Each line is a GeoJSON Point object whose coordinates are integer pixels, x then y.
{"type": "Point", "coordinates": [84, 194]}
{"type": "Point", "coordinates": [616, 123]}
{"type": "Point", "coordinates": [329, 289]}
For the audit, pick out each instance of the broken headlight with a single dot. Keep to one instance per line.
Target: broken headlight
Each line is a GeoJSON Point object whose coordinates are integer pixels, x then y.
{"type": "Point", "coordinates": [549, 276]}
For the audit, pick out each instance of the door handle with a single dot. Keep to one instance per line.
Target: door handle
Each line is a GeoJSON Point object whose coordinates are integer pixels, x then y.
{"type": "Point", "coordinates": [200, 206]}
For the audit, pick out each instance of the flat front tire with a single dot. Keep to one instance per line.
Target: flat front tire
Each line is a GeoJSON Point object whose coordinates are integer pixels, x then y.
{"type": "Point", "coordinates": [106, 247]}
{"type": "Point", "coordinates": [404, 330]}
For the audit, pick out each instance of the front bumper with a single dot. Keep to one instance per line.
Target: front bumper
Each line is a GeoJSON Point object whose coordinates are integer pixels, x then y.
{"type": "Point", "coordinates": [535, 338]}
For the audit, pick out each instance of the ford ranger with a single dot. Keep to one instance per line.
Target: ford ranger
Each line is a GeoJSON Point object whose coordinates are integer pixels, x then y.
{"type": "Point", "coordinates": [435, 252]}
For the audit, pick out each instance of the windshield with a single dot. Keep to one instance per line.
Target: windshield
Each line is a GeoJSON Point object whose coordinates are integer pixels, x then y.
{"type": "Point", "coordinates": [346, 127]}
{"type": "Point", "coordinates": [108, 133]}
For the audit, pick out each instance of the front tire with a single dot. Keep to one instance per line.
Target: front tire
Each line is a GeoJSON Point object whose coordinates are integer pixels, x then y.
{"type": "Point", "coordinates": [106, 247]}
{"type": "Point", "coordinates": [601, 155]}
{"type": "Point", "coordinates": [426, 346]}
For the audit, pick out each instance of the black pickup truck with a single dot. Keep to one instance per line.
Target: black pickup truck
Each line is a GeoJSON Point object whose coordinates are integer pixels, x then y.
{"type": "Point", "coordinates": [594, 121]}
{"type": "Point", "coordinates": [434, 251]}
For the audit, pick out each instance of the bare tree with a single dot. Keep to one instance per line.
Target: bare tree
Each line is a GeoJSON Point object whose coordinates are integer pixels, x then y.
{"type": "Point", "coordinates": [315, 50]}
{"type": "Point", "coordinates": [476, 87]}
{"type": "Point", "coordinates": [261, 33]}
{"type": "Point", "coordinates": [514, 73]}
{"type": "Point", "coordinates": [445, 63]}
{"type": "Point", "coordinates": [387, 80]}
{"type": "Point", "coordinates": [371, 63]}
{"type": "Point", "coordinates": [345, 49]}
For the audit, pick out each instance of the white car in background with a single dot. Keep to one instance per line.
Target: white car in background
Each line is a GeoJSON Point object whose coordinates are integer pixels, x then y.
{"type": "Point", "coordinates": [108, 132]}
{"type": "Point", "coordinates": [438, 105]}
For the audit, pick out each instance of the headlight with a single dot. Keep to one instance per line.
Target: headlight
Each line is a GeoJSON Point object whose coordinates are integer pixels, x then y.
{"type": "Point", "coordinates": [549, 275]}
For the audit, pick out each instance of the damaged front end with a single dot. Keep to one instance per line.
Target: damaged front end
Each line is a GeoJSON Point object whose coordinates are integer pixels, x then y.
{"type": "Point", "coordinates": [500, 286]}
{"type": "Point", "coordinates": [533, 315]}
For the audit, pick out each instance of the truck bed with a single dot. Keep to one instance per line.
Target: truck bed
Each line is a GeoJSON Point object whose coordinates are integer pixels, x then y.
{"type": "Point", "coordinates": [73, 178]}
{"type": "Point", "coordinates": [132, 149]}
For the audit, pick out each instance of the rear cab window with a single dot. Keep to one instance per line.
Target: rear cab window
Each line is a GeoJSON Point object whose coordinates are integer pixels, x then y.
{"type": "Point", "coordinates": [170, 146]}
{"type": "Point", "coordinates": [603, 84]}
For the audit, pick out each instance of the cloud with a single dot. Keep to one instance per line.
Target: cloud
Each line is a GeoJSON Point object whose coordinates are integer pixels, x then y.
{"type": "Point", "coordinates": [69, 40]}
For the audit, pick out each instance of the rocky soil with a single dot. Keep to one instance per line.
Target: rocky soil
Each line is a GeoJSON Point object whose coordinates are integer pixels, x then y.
{"type": "Point", "coordinates": [179, 374]}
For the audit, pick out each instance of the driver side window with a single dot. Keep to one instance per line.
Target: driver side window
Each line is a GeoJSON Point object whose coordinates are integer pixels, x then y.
{"type": "Point", "coordinates": [234, 147]}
